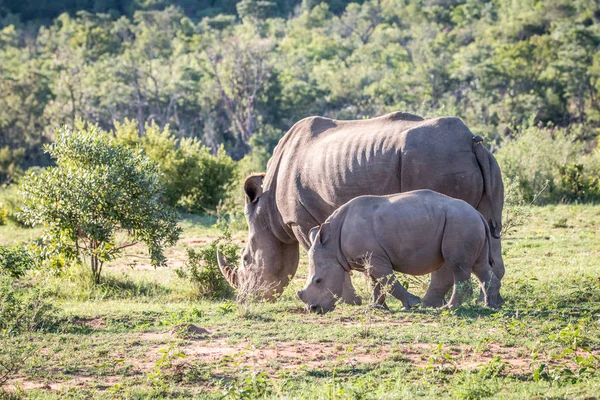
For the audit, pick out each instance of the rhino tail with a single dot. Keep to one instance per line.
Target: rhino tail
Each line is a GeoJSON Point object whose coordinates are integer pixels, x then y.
{"type": "Point", "coordinates": [488, 239]}
{"type": "Point", "coordinates": [483, 159]}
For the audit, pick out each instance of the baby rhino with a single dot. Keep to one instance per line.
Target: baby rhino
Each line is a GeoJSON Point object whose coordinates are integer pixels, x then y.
{"type": "Point", "coordinates": [413, 232]}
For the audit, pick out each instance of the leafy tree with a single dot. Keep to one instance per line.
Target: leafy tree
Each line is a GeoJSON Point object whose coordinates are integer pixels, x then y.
{"type": "Point", "coordinates": [95, 190]}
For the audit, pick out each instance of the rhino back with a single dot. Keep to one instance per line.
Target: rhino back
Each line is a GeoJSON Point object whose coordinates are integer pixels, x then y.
{"type": "Point", "coordinates": [408, 229]}
{"type": "Point", "coordinates": [321, 164]}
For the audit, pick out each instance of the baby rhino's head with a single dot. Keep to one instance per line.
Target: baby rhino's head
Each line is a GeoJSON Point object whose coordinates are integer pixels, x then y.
{"type": "Point", "coordinates": [325, 280]}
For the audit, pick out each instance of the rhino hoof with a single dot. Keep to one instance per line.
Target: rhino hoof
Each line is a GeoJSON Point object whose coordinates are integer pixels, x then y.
{"type": "Point", "coordinates": [433, 302]}
{"type": "Point", "coordinates": [382, 306]}
{"type": "Point", "coordinates": [411, 301]}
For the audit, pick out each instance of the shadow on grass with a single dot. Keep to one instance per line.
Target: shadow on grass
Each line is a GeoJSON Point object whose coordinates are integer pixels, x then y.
{"type": "Point", "coordinates": [466, 312]}
{"type": "Point", "coordinates": [124, 287]}
{"type": "Point", "coordinates": [340, 371]}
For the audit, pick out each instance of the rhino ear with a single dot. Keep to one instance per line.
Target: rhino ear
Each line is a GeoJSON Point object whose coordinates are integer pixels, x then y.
{"type": "Point", "coordinates": [312, 234]}
{"type": "Point", "coordinates": [253, 187]}
{"type": "Point", "coordinates": [324, 232]}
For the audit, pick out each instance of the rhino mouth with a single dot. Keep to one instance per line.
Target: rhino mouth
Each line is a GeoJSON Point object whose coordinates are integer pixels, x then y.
{"type": "Point", "coordinates": [317, 309]}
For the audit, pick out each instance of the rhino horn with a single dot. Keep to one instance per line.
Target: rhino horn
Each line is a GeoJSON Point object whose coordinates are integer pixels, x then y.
{"type": "Point", "coordinates": [227, 270]}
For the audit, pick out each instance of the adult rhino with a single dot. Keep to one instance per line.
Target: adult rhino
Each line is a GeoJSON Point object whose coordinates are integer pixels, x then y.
{"type": "Point", "coordinates": [321, 163]}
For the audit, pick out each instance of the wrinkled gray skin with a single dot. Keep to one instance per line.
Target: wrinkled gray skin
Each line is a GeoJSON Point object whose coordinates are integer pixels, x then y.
{"type": "Point", "coordinates": [321, 164]}
{"type": "Point", "coordinates": [414, 233]}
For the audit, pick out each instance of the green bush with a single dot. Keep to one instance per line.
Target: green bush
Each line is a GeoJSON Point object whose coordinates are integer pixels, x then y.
{"type": "Point", "coordinates": [15, 261]}
{"type": "Point", "coordinates": [202, 268]}
{"type": "Point", "coordinates": [577, 185]}
{"type": "Point", "coordinates": [96, 190]}
{"type": "Point", "coordinates": [194, 178]}
{"type": "Point", "coordinates": [23, 309]}
{"type": "Point", "coordinates": [551, 164]}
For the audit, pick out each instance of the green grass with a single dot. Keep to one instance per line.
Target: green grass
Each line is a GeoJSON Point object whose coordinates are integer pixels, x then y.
{"type": "Point", "coordinates": [127, 338]}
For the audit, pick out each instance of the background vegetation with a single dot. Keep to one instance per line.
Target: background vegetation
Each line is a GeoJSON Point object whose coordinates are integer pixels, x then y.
{"type": "Point", "coordinates": [161, 104]}
{"type": "Point", "coordinates": [523, 74]}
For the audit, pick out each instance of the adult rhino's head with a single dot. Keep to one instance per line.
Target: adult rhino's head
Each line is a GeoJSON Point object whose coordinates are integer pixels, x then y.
{"type": "Point", "coordinates": [267, 263]}
{"type": "Point", "coordinates": [325, 281]}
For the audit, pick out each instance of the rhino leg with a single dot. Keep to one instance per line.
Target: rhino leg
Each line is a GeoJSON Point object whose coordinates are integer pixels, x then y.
{"type": "Point", "coordinates": [349, 295]}
{"type": "Point", "coordinates": [441, 283]}
{"type": "Point", "coordinates": [490, 283]}
{"type": "Point", "coordinates": [384, 281]}
{"type": "Point", "coordinates": [498, 268]}
{"type": "Point", "coordinates": [462, 289]}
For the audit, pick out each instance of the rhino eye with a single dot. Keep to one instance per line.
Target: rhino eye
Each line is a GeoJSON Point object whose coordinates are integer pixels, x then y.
{"type": "Point", "coordinates": [318, 280]}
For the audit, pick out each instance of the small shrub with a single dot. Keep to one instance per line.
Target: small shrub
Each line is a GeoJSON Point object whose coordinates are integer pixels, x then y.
{"type": "Point", "coordinates": [13, 354]}
{"type": "Point", "coordinates": [254, 386]}
{"type": "Point", "coordinates": [95, 190]}
{"type": "Point", "coordinates": [15, 261]}
{"type": "Point", "coordinates": [23, 310]}
{"type": "Point", "coordinates": [202, 267]}
{"type": "Point", "coordinates": [157, 377]}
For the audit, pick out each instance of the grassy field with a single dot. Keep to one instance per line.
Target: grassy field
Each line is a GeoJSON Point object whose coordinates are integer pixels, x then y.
{"type": "Point", "coordinates": [143, 335]}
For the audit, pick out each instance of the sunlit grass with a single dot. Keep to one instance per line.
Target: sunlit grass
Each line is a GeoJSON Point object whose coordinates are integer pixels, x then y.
{"type": "Point", "coordinates": [108, 340]}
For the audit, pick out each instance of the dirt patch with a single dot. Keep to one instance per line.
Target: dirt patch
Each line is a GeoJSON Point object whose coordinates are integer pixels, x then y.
{"type": "Point", "coordinates": [102, 383]}
{"type": "Point", "coordinates": [154, 336]}
{"type": "Point", "coordinates": [317, 355]}
{"type": "Point", "coordinates": [288, 355]}
{"type": "Point", "coordinates": [94, 323]}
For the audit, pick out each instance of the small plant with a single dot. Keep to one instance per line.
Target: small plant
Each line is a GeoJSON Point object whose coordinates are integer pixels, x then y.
{"type": "Point", "coordinates": [227, 307]}
{"type": "Point", "coordinates": [255, 386]}
{"type": "Point", "coordinates": [561, 223]}
{"type": "Point", "coordinates": [15, 261]}
{"type": "Point", "coordinates": [202, 267]}
{"type": "Point", "coordinates": [332, 389]}
{"type": "Point", "coordinates": [95, 190]}
{"type": "Point", "coordinates": [167, 356]}
{"type": "Point", "coordinates": [23, 310]}
{"type": "Point", "coordinates": [441, 361]}
{"type": "Point", "coordinates": [493, 368]}
{"type": "Point", "coordinates": [13, 354]}
{"type": "Point", "coordinates": [3, 214]}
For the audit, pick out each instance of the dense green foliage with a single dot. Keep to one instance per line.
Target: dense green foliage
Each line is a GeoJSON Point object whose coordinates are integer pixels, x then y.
{"type": "Point", "coordinates": [194, 178]}
{"type": "Point", "coordinates": [551, 165]}
{"type": "Point", "coordinates": [31, 11]}
{"type": "Point", "coordinates": [243, 81]}
{"type": "Point", "coordinates": [96, 190]}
